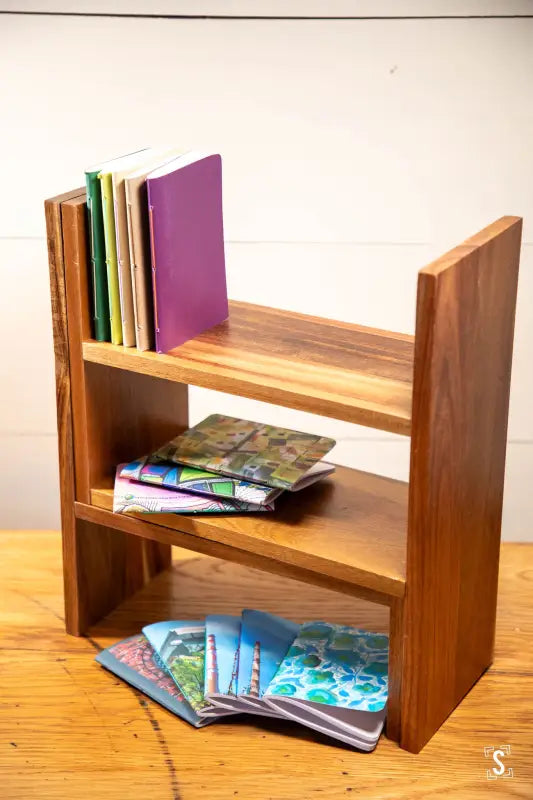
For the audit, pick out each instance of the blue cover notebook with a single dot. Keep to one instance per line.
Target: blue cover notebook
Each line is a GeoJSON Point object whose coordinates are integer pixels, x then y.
{"type": "Point", "coordinates": [134, 661]}
{"type": "Point", "coordinates": [334, 678]}
{"type": "Point", "coordinates": [222, 641]}
{"type": "Point", "coordinates": [180, 645]}
{"type": "Point", "coordinates": [265, 640]}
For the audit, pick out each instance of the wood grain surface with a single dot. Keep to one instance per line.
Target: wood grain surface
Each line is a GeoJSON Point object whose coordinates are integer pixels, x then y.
{"type": "Point", "coordinates": [463, 356]}
{"type": "Point", "coordinates": [69, 730]}
{"type": "Point", "coordinates": [331, 368]}
{"type": "Point", "coordinates": [351, 528]}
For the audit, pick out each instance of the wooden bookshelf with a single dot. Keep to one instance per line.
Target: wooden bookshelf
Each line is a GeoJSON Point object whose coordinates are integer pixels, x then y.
{"type": "Point", "coordinates": [349, 372]}
{"type": "Point", "coordinates": [428, 549]}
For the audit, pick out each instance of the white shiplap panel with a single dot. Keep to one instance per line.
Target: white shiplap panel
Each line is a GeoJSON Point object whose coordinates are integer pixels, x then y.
{"type": "Point", "coordinates": [278, 8]}
{"type": "Point", "coordinates": [387, 131]}
{"type": "Point", "coordinates": [27, 399]}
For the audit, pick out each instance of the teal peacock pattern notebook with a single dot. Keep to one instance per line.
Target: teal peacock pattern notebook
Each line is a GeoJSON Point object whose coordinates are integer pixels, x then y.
{"type": "Point", "coordinates": [335, 665]}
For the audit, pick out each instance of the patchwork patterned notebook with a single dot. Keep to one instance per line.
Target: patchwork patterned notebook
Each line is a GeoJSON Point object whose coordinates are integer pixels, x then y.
{"type": "Point", "coordinates": [277, 457]}
{"type": "Point", "coordinates": [130, 497]}
{"type": "Point", "coordinates": [152, 470]}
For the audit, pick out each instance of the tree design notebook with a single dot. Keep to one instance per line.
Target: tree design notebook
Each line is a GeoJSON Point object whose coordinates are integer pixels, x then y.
{"type": "Point", "coordinates": [277, 457]}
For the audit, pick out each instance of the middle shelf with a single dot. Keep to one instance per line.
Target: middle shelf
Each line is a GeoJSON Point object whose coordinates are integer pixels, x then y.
{"type": "Point", "coordinates": [350, 529]}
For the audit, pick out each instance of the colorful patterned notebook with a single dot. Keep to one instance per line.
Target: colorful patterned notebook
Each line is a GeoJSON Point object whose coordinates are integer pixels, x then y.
{"type": "Point", "coordinates": [133, 660]}
{"type": "Point", "coordinates": [152, 470]}
{"type": "Point", "coordinates": [181, 647]}
{"type": "Point", "coordinates": [140, 498]}
{"type": "Point", "coordinates": [251, 451]}
{"type": "Point", "coordinates": [335, 665]}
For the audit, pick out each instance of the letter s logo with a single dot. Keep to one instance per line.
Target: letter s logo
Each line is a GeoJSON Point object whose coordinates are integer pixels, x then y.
{"type": "Point", "coordinates": [501, 769]}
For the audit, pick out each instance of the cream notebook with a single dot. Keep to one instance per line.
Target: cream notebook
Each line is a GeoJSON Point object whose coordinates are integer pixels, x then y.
{"type": "Point", "coordinates": [139, 259]}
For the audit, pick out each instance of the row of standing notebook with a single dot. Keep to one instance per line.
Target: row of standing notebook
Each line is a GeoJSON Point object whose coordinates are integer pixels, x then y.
{"type": "Point", "coordinates": [157, 247]}
{"type": "Point", "coordinates": [331, 678]}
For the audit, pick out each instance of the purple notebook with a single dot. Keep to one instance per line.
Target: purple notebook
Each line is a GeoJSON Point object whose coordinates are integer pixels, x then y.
{"type": "Point", "coordinates": [187, 244]}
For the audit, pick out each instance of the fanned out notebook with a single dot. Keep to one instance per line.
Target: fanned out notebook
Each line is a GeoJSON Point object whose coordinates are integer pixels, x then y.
{"type": "Point", "coordinates": [334, 679]}
{"type": "Point", "coordinates": [180, 645]}
{"type": "Point", "coordinates": [142, 498]}
{"type": "Point", "coordinates": [276, 457]}
{"type": "Point", "coordinates": [187, 248]}
{"type": "Point", "coordinates": [331, 678]}
{"type": "Point", "coordinates": [154, 471]}
{"type": "Point", "coordinates": [134, 661]}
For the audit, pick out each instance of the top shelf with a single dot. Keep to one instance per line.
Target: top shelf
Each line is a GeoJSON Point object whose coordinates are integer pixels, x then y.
{"type": "Point", "coordinates": [335, 369]}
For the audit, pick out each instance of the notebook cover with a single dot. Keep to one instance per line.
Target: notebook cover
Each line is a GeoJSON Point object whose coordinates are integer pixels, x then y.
{"type": "Point", "coordinates": [335, 665]}
{"type": "Point", "coordinates": [277, 457]}
{"type": "Point", "coordinates": [133, 660]}
{"type": "Point", "coordinates": [106, 186]}
{"type": "Point", "coordinates": [151, 470]}
{"type": "Point", "coordinates": [139, 250]}
{"type": "Point", "coordinates": [187, 251]}
{"type": "Point", "coordinates": [180, 645]}
{"type": "Point", "coordinates": [130, 497]}
{"type": "Point", "coordinates": [95, 223]}
{"type": "Point", "coordinates": [265, 641]}
{"type": "Point", "coordinates": [123, 259]}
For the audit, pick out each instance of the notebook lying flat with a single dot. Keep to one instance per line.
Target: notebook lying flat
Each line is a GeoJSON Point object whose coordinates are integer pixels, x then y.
{"type": "Point", "coordinates": [141, 498]}
{"type": "Point", "coordinates": [152, 470]}
{"type": "Point", "coordinates": [180, 645]}
{"type": "Point", "coordinates": [264, 454]}
{"type": "Point", "coordinates": [334, 678]}
{"type": "Point", "coordinates": [134, 661]}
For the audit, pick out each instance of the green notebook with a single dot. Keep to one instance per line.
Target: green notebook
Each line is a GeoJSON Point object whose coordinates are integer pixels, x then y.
{"type": "Point", "coordinates": [102, 330]}
{"type": "Point", "coordinates": [104, 244]}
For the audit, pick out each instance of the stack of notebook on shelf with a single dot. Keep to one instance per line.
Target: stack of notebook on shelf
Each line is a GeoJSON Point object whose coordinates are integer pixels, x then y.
{"type": "Point", "coordinates": [157, 247]}
{"type": "Point", "coordinates": [332, 678]}
{"type": "Point", "coordinates": [222, 465]}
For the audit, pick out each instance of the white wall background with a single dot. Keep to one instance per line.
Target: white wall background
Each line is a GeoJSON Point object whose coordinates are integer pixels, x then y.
{"type": "Point", "coordinates": [354, 150]}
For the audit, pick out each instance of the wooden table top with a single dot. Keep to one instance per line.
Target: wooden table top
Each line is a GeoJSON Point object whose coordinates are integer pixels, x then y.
{"type": "Point", "coordinates": [69, 729]}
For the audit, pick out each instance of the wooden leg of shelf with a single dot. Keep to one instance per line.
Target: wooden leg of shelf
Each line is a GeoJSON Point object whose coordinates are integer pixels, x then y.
{"type": "Point", "coordinates": [102, 567]}
{"type": "Point", "coordinates": [395, 670]}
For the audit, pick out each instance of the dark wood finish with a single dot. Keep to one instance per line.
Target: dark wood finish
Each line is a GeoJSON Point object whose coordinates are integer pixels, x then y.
{"type": "Point", "coordinates": [63, 401]}
{"type": "Point", "coordinates": [117, 416]}
{"type": "Point", "coordinates": [350, 528]}
{"type": "Point", "coordinates": [349, 532]}
{"type": "Point", "coordinates": [331, 368]}
{"type": "Point", "coordinates": [102, 566]}
{"type": "Point", "coordinates": [463, 353]}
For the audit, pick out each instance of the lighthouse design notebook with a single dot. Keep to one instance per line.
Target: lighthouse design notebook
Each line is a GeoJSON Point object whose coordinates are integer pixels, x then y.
{"type": "Point", "coordinates": [152, 470]}
{"type": "Point", "coordinates": [265, 640]}
{"type": "Point", "coordinates": [187, 248]}
{"type": "Point", "coordinates": [180, 645]}
{"type": "Point", "coordinates": [277, 457]}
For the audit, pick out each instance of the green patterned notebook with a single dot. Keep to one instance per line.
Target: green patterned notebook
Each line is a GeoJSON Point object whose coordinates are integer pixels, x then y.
{"type": "Point", "coordinates": [277, 457]}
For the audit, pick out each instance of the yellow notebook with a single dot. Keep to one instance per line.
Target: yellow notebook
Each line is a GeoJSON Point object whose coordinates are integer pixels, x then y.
{"type": "Point", "coordinates": [106, 183]}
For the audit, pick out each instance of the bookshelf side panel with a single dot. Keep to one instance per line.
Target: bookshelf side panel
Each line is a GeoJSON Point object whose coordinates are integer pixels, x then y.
{"type": "Point", "coordinates": [463, 353]}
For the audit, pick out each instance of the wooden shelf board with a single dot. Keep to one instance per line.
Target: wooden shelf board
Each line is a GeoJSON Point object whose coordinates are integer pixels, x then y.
{"type": "Point", "coordinates": [348, 530]}
{"type": "Point", "coordinates": [335, 369]}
